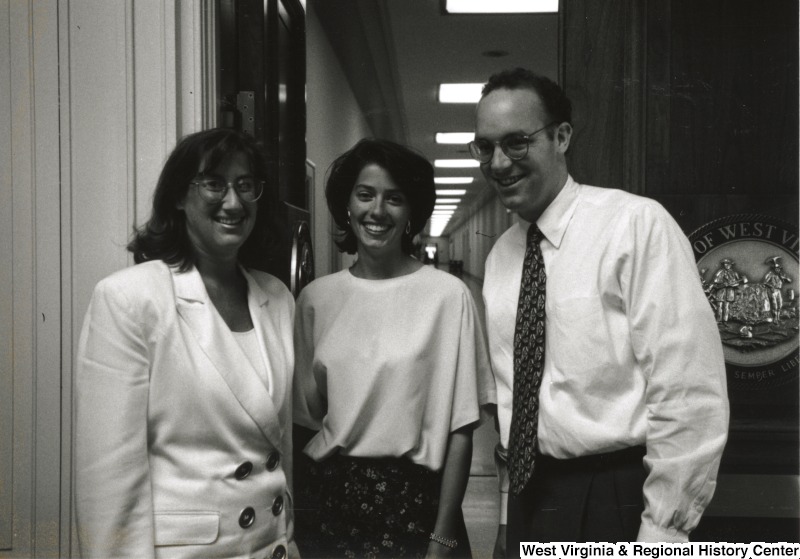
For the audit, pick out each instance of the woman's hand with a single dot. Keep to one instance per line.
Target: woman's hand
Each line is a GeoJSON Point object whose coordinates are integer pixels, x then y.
{"type": "Point", "coordinates": [436, 549]}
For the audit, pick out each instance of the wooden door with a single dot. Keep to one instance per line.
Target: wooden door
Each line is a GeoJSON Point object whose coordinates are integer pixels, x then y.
{"type": "Point", "coordinates": [262, 92]}
{"type": "Point", "coordinates": [694, 103]}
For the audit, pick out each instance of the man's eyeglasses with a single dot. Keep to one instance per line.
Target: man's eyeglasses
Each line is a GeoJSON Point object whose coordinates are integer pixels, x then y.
{"type": "Point", "coordinates": [214, 190]}
{"type": "Point", "coordinates": [515, 146]}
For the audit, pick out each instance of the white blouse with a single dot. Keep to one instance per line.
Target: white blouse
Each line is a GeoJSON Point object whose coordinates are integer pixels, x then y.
{"type": "Point", "coordinates": [249, 343]}
{"type": "Point", "coordinates": [388, 368]}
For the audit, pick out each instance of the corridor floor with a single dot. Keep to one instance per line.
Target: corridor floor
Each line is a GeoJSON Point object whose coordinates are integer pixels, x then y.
{"type": "Point", "coordinates": [480, 502]}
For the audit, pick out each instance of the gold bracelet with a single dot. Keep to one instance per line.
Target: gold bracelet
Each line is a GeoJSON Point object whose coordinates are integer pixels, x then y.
{"type": "Point", "coordinates": [451, 543]}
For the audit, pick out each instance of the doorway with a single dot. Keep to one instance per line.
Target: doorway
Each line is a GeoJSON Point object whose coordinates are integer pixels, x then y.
{"type": "Point", "coordinates": [261, 77]}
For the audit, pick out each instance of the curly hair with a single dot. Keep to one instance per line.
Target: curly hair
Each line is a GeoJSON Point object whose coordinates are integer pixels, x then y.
{"type": "Point", "coordinates": [164, 235]}
{"type": "Point", "coordinates": [409, 170]}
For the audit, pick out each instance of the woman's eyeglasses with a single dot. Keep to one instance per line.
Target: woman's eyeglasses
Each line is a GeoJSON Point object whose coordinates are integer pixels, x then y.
{"type": "Point", "coordinates": [515, 146]}
{"type": "Point", "coordinates": [214, 190]}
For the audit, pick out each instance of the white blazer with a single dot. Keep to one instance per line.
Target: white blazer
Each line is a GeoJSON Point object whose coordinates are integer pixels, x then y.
{"type": "Point", "coordinates": [180, 451]}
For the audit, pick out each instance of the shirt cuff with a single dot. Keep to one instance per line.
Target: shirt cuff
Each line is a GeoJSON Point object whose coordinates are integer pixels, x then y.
{"type": "Point", "coordinates": [650, 533]}
{"type": "Point", "coordinates": [503, 508]}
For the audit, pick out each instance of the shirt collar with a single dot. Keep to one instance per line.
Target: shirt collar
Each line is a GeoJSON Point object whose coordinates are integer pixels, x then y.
{"type": "Point", "coordinates": [556, 217]}
{"type": "Point", "coordinates": [189, 285]}
{"type": "Point", "coordinates": [259, 295]}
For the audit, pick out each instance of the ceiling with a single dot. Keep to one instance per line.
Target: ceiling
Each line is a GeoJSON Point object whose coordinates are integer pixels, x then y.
{"type": "Point", "coordinates": [395, 53]}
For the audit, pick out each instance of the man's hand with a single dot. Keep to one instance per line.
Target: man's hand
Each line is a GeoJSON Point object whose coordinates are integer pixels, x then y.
{"type": "Point", "coordinates": [500, 544]}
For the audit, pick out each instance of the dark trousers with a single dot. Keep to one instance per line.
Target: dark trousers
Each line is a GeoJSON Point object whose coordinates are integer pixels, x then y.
{"type": "Point", "coordinates": [588, 499]}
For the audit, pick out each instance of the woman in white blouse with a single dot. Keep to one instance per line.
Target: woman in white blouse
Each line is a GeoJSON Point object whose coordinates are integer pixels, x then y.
{"type": "Point", "coordinates": [183, 381]}
{"type": "Point", "coordinates": [390, 377]}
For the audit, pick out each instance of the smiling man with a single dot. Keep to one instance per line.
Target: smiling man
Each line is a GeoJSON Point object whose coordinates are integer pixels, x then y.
{"type": "Point", "coordinates": [612, 402]}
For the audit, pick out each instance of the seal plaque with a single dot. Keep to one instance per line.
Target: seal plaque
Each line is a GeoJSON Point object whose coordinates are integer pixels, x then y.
{"type": "Point", "coordinates": [749, 270]}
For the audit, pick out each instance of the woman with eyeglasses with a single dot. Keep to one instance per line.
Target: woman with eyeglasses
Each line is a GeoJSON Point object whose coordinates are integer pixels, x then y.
{"type": "Point", "coordinates": [391, 374]}
{"type": "Point", "coordinates": [183, 382]}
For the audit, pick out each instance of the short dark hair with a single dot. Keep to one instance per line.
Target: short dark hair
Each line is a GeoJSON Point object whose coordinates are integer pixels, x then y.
{"type": "Point", "coordinates": [555, 101]}
{"type": "Point", "coordinates": [164, 236]}
{"type": "Point", "coordinates": [412, 173]}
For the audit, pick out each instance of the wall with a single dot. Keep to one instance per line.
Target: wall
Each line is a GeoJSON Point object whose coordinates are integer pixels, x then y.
{"type": "Point", "coordinates": [334, 123]}
{"type": "Point", "coordinates": [686, 88]}
{"type": "Point", "coordinates": [475, 237]}
{"type": "Point", "coordinates": [94, 96]}
{"type": "Point", "coordinates": [699, 111]}
{"type": "Point", "coordinates": [30, 302]}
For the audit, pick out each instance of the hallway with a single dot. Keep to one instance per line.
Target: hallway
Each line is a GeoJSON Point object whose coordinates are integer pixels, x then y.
{"type": "Point", "coordinates": [481, 514]}
{"type": "Point", "coordinates": [481, 500]}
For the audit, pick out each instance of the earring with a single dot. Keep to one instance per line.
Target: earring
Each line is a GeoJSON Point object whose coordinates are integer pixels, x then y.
{"type": "Point", "coordinates": [348, 217]}
{"type": "Point", "coordinates": [408, 227]}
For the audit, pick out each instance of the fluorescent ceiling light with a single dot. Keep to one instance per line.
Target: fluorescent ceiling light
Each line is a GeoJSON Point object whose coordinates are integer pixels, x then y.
{"type": "Point", "coordinates": [454, 180]}
{"type": "Point", "coordinates": [445, 207]}
{"type": "Point", "coordinates": [455, 163]}
{"type": "Point", "coordinates": [454, 137]}
{"type": "Point", "coordinates": [437, 229]}
{"type": "Point", "coordinates": [456, 192]}
{"type": "Point", "coordinates": [460, 92]}
{"type": "Point", "coordinates": [501, 6]}
{"type": "Point", "coordinates": [448, 200]}
{"type": "Point", "coordinates": [442, 214]}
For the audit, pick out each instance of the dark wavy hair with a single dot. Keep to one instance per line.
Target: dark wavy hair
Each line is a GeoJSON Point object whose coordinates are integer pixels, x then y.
{"type": "Point", "coordinates": [164, 236]}
{"type": "Point", "coordinates": [556, 104]}
{"type": "Point", "coordinates": [412, 173]}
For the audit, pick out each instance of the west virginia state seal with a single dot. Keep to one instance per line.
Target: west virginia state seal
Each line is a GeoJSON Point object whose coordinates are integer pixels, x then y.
{"type": "Point", "coordinates": [749, 269]}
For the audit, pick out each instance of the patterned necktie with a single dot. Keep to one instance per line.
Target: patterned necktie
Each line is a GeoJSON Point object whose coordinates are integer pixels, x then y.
{"type": "Point", "coordinates": [528, 364]}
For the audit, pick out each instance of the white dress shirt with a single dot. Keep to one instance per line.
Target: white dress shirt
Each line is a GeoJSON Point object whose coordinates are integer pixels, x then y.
{"type": "Point", "coordinates": [633, 355]}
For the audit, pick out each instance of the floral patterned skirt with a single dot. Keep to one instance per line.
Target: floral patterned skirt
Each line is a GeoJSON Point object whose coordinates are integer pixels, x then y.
{"type": "Point", "coordinates": [364, 507]}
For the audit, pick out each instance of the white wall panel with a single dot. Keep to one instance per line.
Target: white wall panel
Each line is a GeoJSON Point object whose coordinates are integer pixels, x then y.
{"type": "Point", "coordinates": [93, 94]}
{"type": "Point", "coordinates": [31, 299]}
{"type": "Point", "coordinates": [101, 147]}
{"type": "Point", "coordinates": [47, 278]}
{"type": "Point", "coordinates": [6, 285]}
